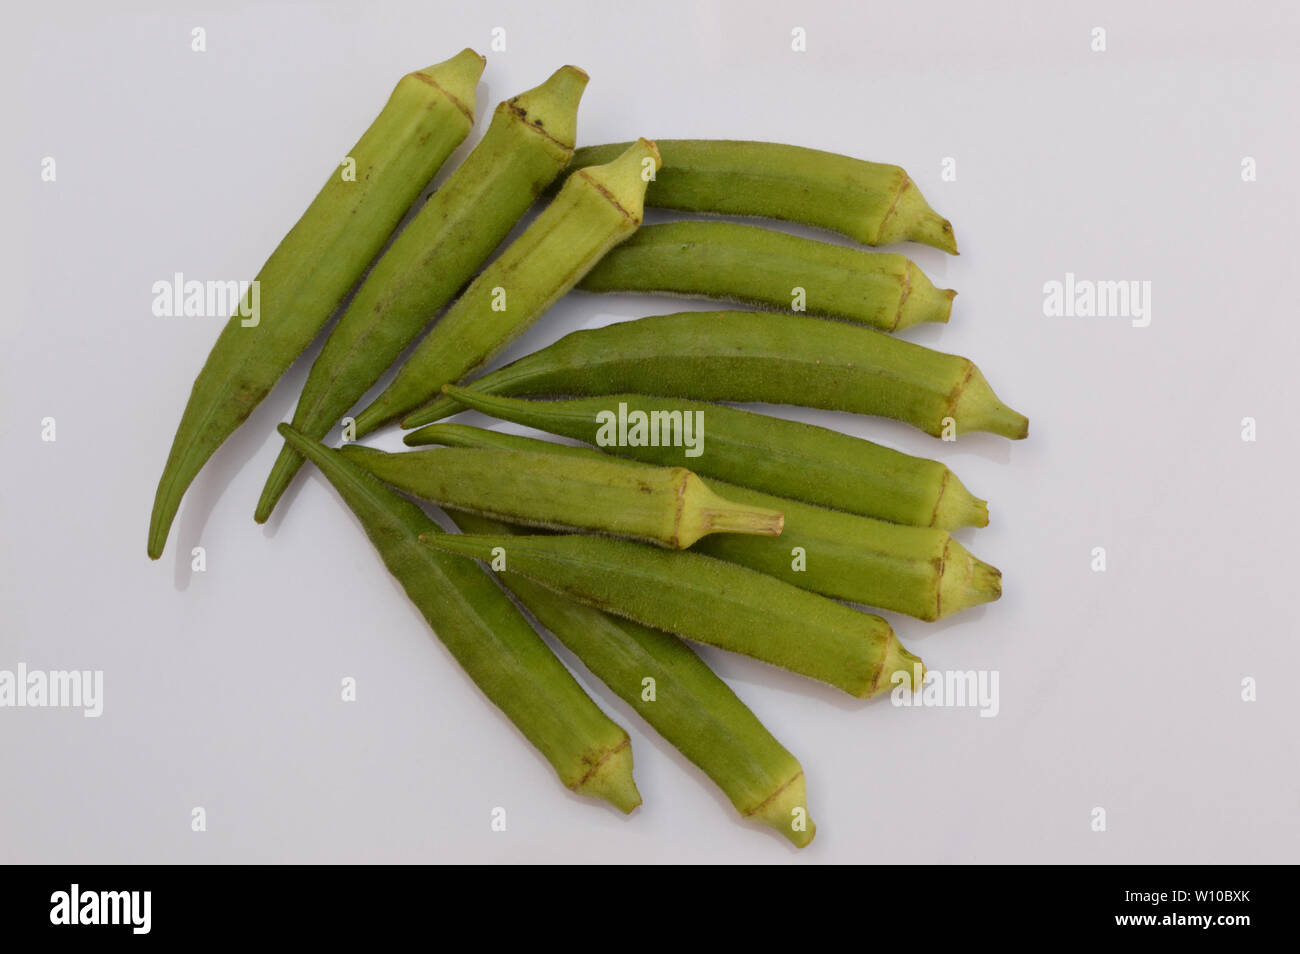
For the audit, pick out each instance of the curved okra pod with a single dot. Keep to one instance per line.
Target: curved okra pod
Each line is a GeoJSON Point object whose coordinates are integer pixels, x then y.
{"type": "Point", "coordinates": [596, 209]}
{"type": "Point", "coordinates": [691, 707]}
{"type": "Point", "coordinates": [774, 270]}
{"type": "Point", "coordinates": [488, 636]}
{"type": "Point", "coordinates": [874, 203]}
{"type": "Point", "coordinates": [920, 571]}
{"type": "Point", "coordinates": [668, 506]}
{"type": "Point", "coordinates": [706, 600]}
{"type": "Point", "coordinates": [528, 144]}
{"type": "Point", "coordinates": [787, 458]}
{"type": "Point", "coordinates": [311, 270]}
{"type": "Point", "coordinates": [754, 356]}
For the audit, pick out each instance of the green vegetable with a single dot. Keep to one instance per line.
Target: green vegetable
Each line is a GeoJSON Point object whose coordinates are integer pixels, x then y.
{"type": "Point", "coordinates": [314, 266]}
{"type": "Point", "coordinates": [596, 209]}
{"type": "Point", "coordinates": [491, 640]}
{"type": "Point", "coordinates": [769, 269]}
{"type": "Point", "coordinates": [669, 506]}
{"type": "Point", "coordinates": [786, 458]}
{"type": "Point", "coordinates": [527, 145]}
{"type": "Point", "coordinates": [663, 679]}
{"type": "Point", "coordinates": [752, 356]}
{"type": "Point", "coordinates": [873, 203]}
{"type": "Point", "coordinates": [914, 570]}
{"type": "Point", "coordinates": [704, 599]}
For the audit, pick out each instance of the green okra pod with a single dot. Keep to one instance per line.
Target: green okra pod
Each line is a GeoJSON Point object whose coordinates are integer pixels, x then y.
{"type": "Point", "coordinates": [668, 506]}
{"type": "Point", "coordinates": [707, 600]}
{"type": "Point", "coordinates": [528, 144]}
{"type": "Point", "coordinates": [488, 636]}
{"type": "Point", "coordinates": [690, 706]}
{"type": "Point", "coordinates": [311, 270]}
{"type": "Point", "coordinates": [754, 356]}
{"type": "Point", "coordinates": [787, 458]}
{"type": "Point", "coordinates": [920, 571]}
{"type": "Point", "coordinates": [596, 209]}
{"type": "Point", "coordinates": [774, 270]}
{"type": "Point", "coordinates": [871, 202]}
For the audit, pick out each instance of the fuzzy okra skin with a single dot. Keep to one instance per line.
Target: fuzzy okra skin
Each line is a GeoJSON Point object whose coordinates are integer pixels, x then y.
{"type": "Point", "coordinates": [707, 600]}
{"type": "Point", "coordinates": [871, 202]}
{"type": "Point", "coordinates": [488, 636]}
{"type": "Point", "coordinates": [596, 209]}
{"type": "Point", "coordinates": [692, 708]}
{"type": "Point", "coordinates": [787, 458]}
{"type": "Point", "coordinates": [311, 270]}
{"type": "Point", "coordinates": [667, 506]}
{"type": "Point", "coordinates": [920, 571]}
{"type": "Point", "coordinates": [755, 356]}
{"type": "Point", "coordinates": [768, 269]}
{"type": "Point", "coordinates": [527, 144]}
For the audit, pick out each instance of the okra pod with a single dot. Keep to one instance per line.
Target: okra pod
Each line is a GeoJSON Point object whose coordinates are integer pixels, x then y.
{"type": "Point", "coordinates": [311, 270]}
{"type": "Point", "coordinates": [752, 356]}
{"type": "Point", "coordinates": [871, 202]}
{"type": "Point", "coordinates": [707, 600]}
{"type": "Point", "coordinates": [527, 144]}
{"type": "Point", "coordinates": [774, 270]}
{"type": "Point", "coordinates": [487, 635]}
{"type": "Point", "coordinates": [686, 703]}
{"type": "Point", "coordinates": [787, 458]}
{"type": "Point", "coordinates": [920, 571]}
{"type": "Point", "coordinates": [668, 506]}
{"type": "Point", "coordinates": [596, 209]}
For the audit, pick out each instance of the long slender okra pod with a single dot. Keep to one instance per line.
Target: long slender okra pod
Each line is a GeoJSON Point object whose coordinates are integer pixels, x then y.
{"type": "Point", "coordinates": [787, 458]}
{"type": "Point", "coordinates": [874, 203]}
{"type": "Point", "coordinates": [754, 356]}
{"type": "Point", "coordinates": [920, 571]}
{"type": "Point", "coordinates": [428, 115]}
{"type": "Point", "coordinates": [704, 599]}
{"type": "Point", "coordinates": [596, 209]}
{"type": "Point", "coordinates": [527, 145]}
{"type": "Point", "coordinates": [770, 269]}
{"type": "Point", "coordinates": [690, 706]}
{"type": "Point", "coordinates": [488, 636]}
{"type": "Point", "coordinates": [668, 506]}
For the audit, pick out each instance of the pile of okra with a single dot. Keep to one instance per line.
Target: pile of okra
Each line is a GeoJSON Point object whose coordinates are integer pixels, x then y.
{"type": "Point", "coordinates": [647, 537]}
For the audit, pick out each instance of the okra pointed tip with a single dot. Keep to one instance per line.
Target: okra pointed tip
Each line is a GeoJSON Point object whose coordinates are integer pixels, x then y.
{"type": "Point", "coordinates": [787, 812]}
{"type": "Point", "coordinates": [922, 301]}
{"type": "Point", "coordinates": [982, 410]}
{"type": "Point", "coordinates": [966, 581]}
{"type": "Point", "coordinates": [894, 660]}
{"type": "Point", "coordinates": [552, 107]}
{"type": "Point", "coordinates": [624, 179]}
{"type": "Point", "coordinates": [457, 77]}
{"type": "Point", "coordinates": [612, 781]}
{"type": "Point", "coordinates": [957, 507]}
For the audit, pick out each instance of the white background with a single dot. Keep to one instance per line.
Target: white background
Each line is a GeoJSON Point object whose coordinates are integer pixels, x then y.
{"type": "Point", "coordinates": [1119, 690]}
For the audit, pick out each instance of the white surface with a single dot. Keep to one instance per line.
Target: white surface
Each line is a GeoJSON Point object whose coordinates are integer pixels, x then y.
{"type": "Point", "coordinates": [1118, 689]}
